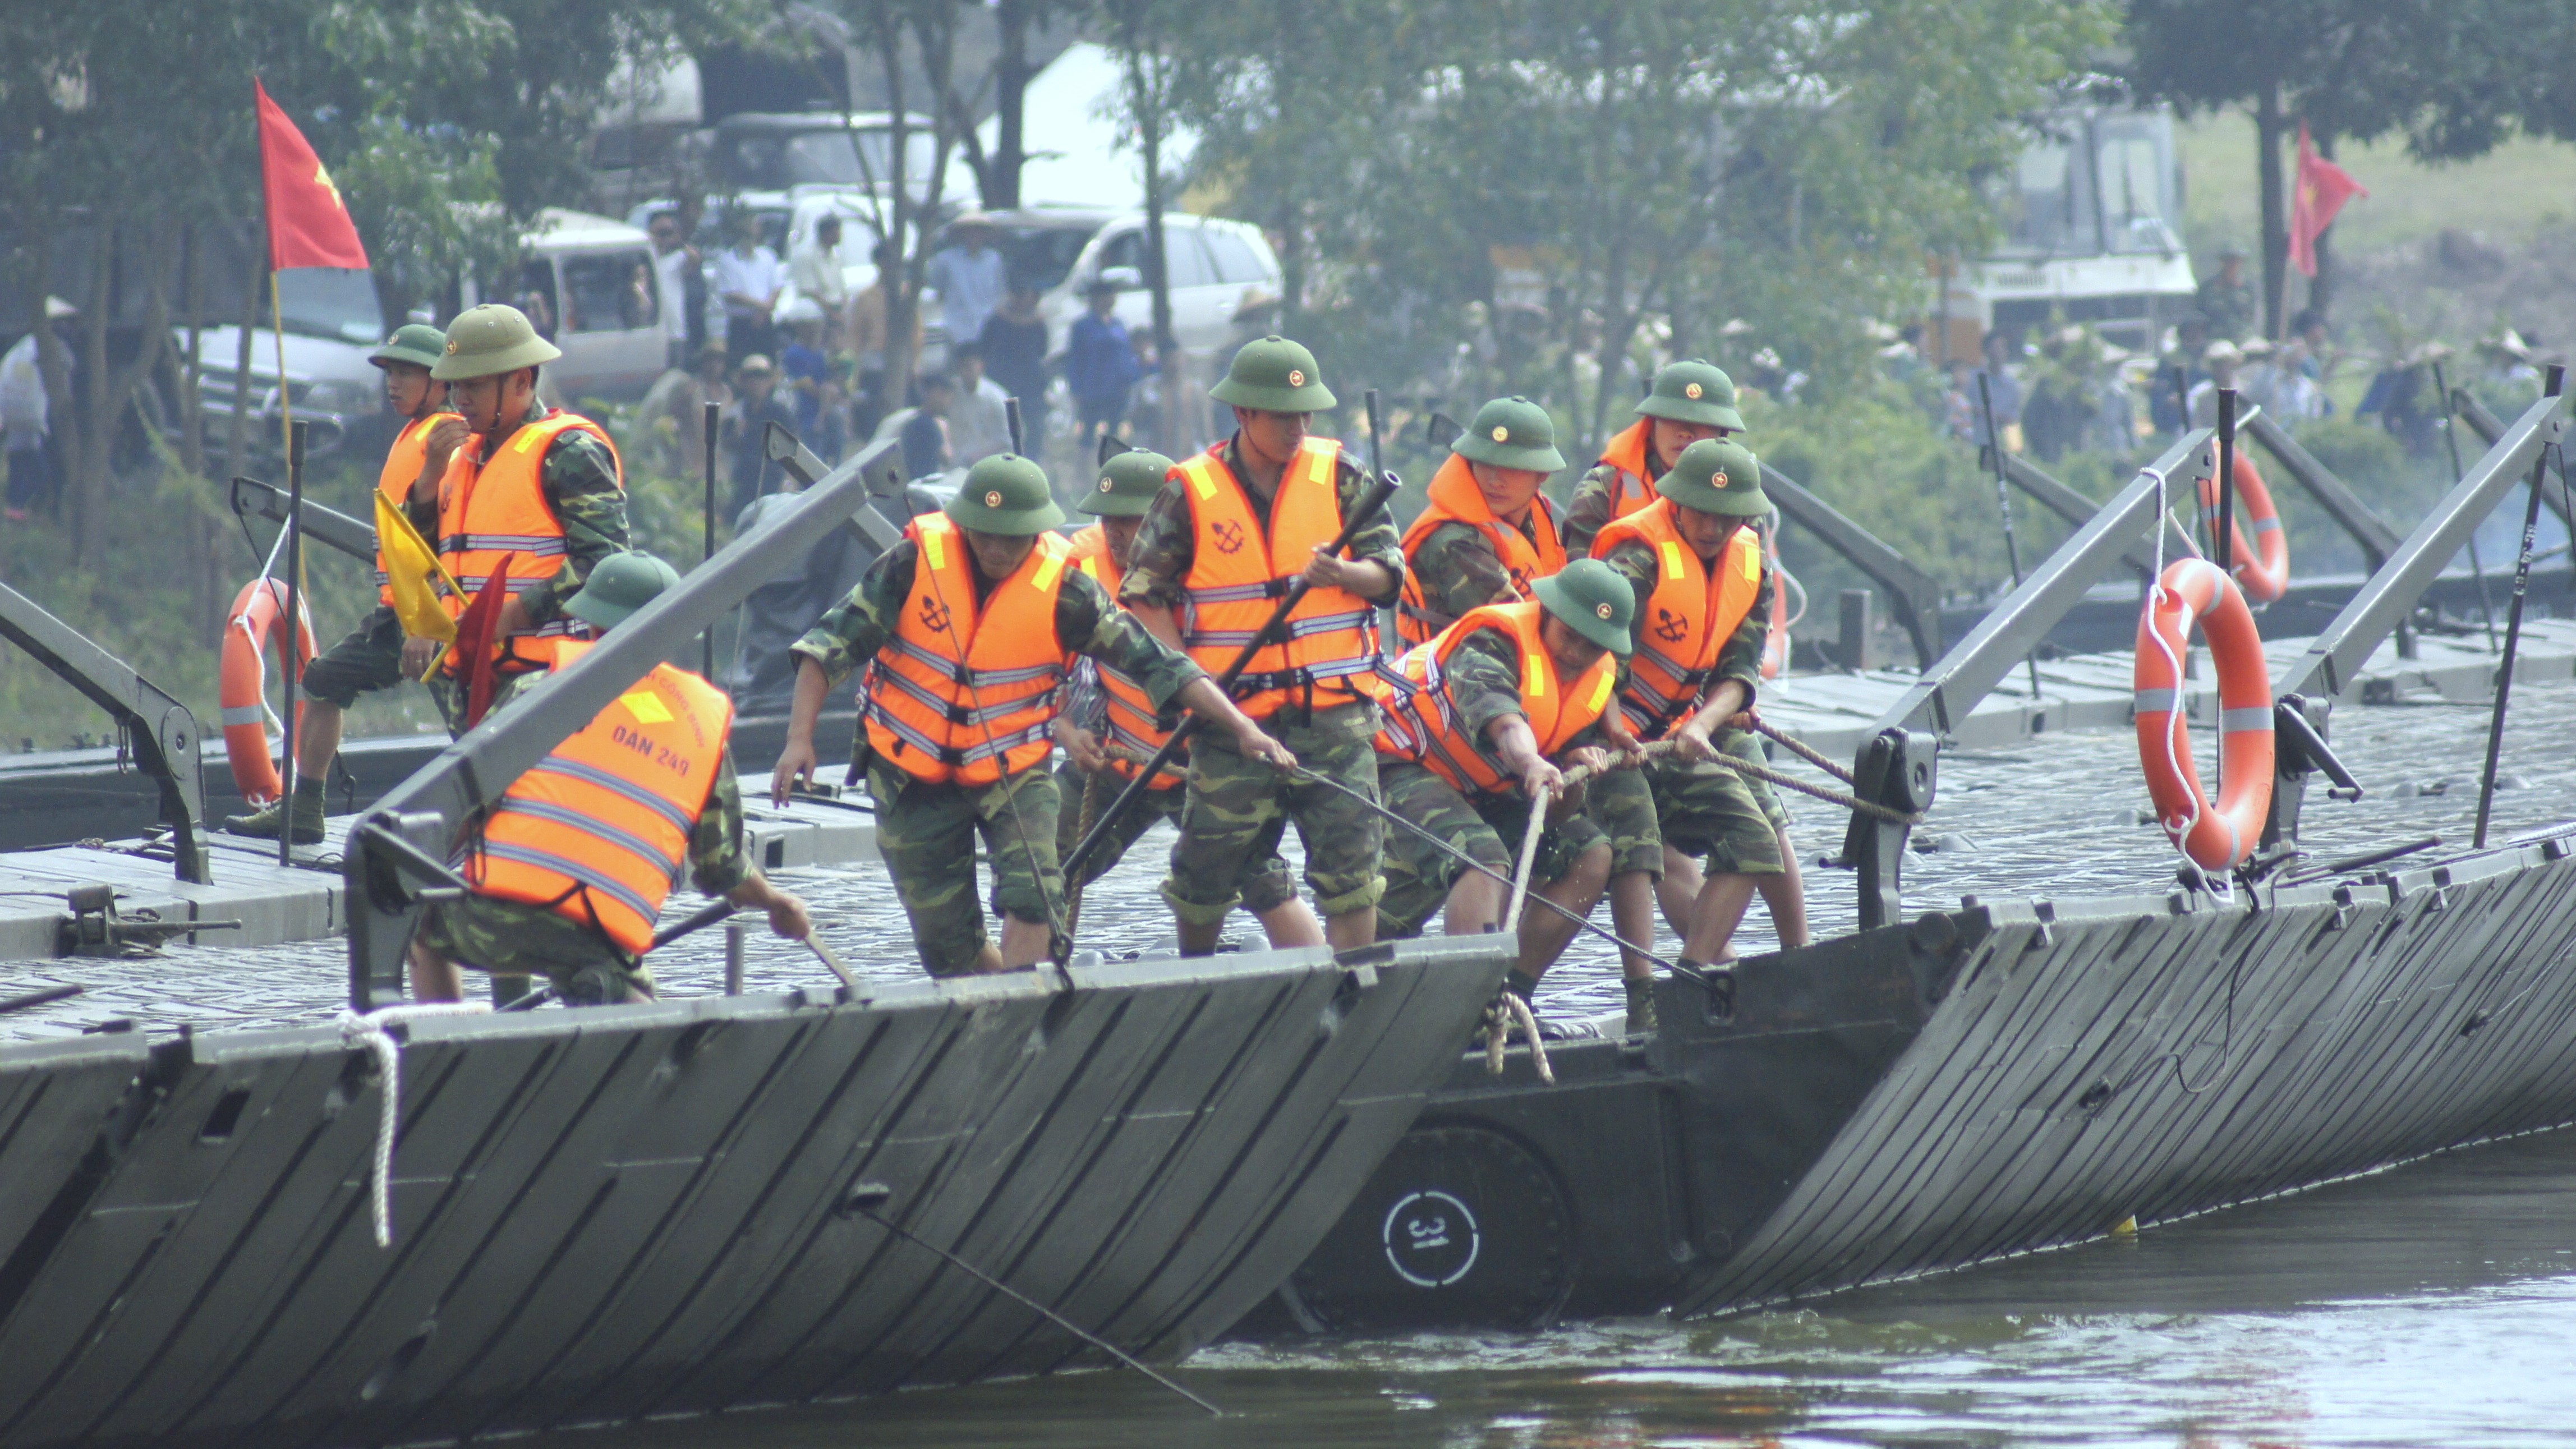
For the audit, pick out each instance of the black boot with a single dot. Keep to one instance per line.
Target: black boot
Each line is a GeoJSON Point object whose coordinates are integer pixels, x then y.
{"type": "Point", "coordinates": [1641, 1006]}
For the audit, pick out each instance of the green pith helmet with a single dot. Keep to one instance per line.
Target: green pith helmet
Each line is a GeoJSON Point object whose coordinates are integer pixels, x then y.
{"type": "Point", "coordinates": [1274, 375]}
{"type": "Point", "coordinates": [490, 339]}
{"type": "Point", "coordinates": [1511, 432]}
{"type": "Point", "coordinates": [1693, 392]}
{"type": "Point", "coordinates": [619, 585]}
{"type": "Point", "coordinates": [1128, 482]}
{"type": "Point", "coordinates": [1591, 599]}
{"type": "Point", "coordinates": [1005, 494]}
{"type": "Point", "coordinates": [1717, 475]}
{"type": "Point", "coordinates": [417, 343]}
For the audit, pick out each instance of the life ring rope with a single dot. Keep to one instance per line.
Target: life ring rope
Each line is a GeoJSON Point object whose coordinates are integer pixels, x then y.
{"type": "Point", "coordinates": [258, 616]}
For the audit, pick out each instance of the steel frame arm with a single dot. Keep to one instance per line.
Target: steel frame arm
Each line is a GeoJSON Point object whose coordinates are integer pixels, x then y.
{"type": "Point", "coordinates": [322, 525]}
{"type": "Point", "coordinates": [1952, 687]}
{"type": "Point", "coordinates": [2377, 539]}
{"type": "Point", "coordinates": [801, 463]}
{"type": "Point", "coordinates": [2339, 651]}
{"type": "Point", "coordinates": [428, 809]}
{"type": "Point", "coordinates": [2065, 502]}
{"type": "Point", "coordinates": [2484, 424]}
{"type": "Point", "coordinates": [1915, 594]}
{"type": "Point", "coordinates": [164, 731]}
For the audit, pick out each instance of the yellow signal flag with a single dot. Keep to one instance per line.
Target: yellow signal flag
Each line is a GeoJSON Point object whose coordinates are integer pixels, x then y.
{"type": "Point", "coordinates": [410, 569]}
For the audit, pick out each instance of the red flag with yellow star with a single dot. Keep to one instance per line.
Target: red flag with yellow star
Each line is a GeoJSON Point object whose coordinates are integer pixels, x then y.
{"type": "Point", "coordinates": [308, 225]}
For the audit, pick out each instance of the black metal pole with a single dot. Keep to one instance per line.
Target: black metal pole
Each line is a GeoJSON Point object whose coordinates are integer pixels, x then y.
{"type": "Point", "coordinates": [2003, 500]}
{"type": "Point", "coordinates": [288, 664]}
{"type": "Point", "coordinates": [707, 547]}
{"type": "Point", "coordinates": [1383, 488]}
{"type": "Point", "coordinates": [2451, 436]}
{"type": "Point", "coordinates": [2513, 627]}
{"type": "Point", "coordinates": [1011, 417]}
{"type": "Point", "coordinates": [2222, 547]}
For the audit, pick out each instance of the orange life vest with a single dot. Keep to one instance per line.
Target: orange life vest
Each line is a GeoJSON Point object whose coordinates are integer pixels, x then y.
{"type": "Point", "coordinates": [497, 510]}
{"type": "Point", "coordinates": [1422, 721]}
{"type": "Point", "coordinates": [1238, 570]}
{"type": "Point", "coordinates": [1630, 488]}
{"type": "Point", "coordinates": [597, 831]}
{"type": "Point", "coordinates": [402, 467]}
{"type": "Point", "coordinates": [1455, 498]}
{"type": "Point", "coordinates": [1132, 717]}
{"type": "Point", "coordinates": [1688, 618]}
{"type": "Point", "coordinates": [964, 691]}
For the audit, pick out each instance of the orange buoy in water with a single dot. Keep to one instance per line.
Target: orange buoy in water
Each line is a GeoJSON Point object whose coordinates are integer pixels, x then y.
{"type": "Point", "coordinates": [258, 614]}
{"type": "Point", "coordinates": [2263, 570]}
{"type": "Point", "coordinates": [2216, 837]}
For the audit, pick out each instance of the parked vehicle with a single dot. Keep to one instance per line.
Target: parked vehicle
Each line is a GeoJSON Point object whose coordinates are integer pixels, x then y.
{"type": "Point", "coordinates": [1217, 266]}
{"type": "Point", "coordinates": [331, 321]}
{"type": "Point", "coordinates": [589, 284]}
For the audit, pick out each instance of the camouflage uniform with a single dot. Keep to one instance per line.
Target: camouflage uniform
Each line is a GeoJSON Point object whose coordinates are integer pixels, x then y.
{"type": "Point", "coordinates": [1458, 571]}
{"type": "Point", "coordinates": [1588, 512]}
{"type": "Point", "coordinates": [1701, 808]}
{"type": "Point", "coordinates": [1238, 809]}
{"type": "Point", "coordinates": [927, 832]}
{"type": "Point", "coordinates": [513, 938]}
{"type": "Point", "coordinates": [1484, 684]}
{"type": "Point", "coordinates": [579, 481]}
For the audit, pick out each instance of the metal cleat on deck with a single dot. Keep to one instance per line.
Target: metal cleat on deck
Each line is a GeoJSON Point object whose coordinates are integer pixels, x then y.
{"type": "Point", "coordinates": [95, 928]}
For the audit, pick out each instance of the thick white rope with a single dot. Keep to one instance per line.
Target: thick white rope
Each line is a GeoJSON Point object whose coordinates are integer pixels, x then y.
{"type": "Point", "coordinates": [368, 1032]}
{"type": "Point", "coordinates": [1529, 861]}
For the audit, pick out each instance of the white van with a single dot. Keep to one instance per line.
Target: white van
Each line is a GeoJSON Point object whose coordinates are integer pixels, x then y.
{"type": "Point", "coordinates": [589, 283]}
{"type": "Point", "coordinates": [1217, 266]}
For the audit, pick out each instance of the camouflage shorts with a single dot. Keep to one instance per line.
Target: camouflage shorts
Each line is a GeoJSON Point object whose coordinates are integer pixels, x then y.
{"type": "Point", "coordinates": [1745, 745]}
{"type": "Point", "coordinates": [367, 659]}
{"type": "Point", "coordinates": [1239, 810]}
{"type": "Point", "coordinates": [927, 835]}
{"type": "Point", "coordinates": [1267, 887]}
{"type": "Point", "coordinates": [1705, 809]}
{"type": "Point", "coordinates": [512, 938]}
{"type": "Point", "coordinates": [1622, 804]}
{"type": "Point", "coordinates": [1488, 828]}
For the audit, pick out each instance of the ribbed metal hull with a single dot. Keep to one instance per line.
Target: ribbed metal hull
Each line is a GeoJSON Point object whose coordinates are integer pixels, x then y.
{"type": "Point", "coordinates": [619, 1212]}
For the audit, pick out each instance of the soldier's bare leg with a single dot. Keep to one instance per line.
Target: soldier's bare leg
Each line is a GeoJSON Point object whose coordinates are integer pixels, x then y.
{"type": "Point", "coordinates": [1714, 917]}
{"type": "Point", "coordinates": [1294, 924]}
{"type": "Point", "coordinates": [434, 977]}
{"type": "Point", "coordinates": [1632, 915]}
{"type": "Point", "coordinates": [1544, 933]}
{"type": "Point", "coordinates": [1785, 895]}
{"type": "Point", "coordinates": [1351, 929]}
{"type": "Point", "coordinates": [1024, 944]}
{"type": "Point", "coordinates": [1678, 891]}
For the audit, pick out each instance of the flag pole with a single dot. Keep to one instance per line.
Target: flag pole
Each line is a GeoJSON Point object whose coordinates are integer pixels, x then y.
{"type": "Point", "coordinates": [285, 395]}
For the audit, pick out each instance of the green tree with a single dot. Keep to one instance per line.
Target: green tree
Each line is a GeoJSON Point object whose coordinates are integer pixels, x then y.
{"type": "Point", "coordinates": [2453, 76]}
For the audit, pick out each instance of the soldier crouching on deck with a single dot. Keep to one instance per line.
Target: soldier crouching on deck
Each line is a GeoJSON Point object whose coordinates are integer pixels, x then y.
{"type": "Point", "coordinates": [571, 865]}
{"type": "Point", "coordinates": [965, 627]}
{"type": "Point", "coordinates": [1231, 530]}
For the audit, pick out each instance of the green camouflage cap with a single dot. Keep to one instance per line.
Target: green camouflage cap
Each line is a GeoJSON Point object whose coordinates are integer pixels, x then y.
{"type": "Point", "coordinates": [1511, 432]}
{"type": "Point", "coordinates": [1591, 599]}
{"type": "Point", "coordinates": [1005, 494]}
{"type": "Point", "coordinates": [1128, 482]}
{"type": "Point", "coordinates": [1693, 392]}
{"type": "Point", "coordinates": [491, 339]}
{"type": "Point", "coordinates": [1274, 375]}
{"type": "Point", "coordinates": [1716, 475]}
{"type": "Point", "coordinates": [619, 585]}
{"type": "Point", "coordinates": [417, 343]}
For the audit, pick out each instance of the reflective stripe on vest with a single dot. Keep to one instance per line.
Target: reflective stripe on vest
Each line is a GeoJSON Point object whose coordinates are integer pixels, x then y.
{"type": "Point", "coordinates": [1630, 488]}
{"type": "Point", "coordinates": [498, 511]}
{"type": "Point", "coordinates": [598, 830]}
{"type": "Point", "coordinates": [1455, 498]}
{"type": "Point", "coordinates": [402, 467]}
{"type": "Point", "coordinates": [1422, 721]}
{"type": "Point", "coordinates": [1133, 720]}
{"type": "Point", "coordinates": [963, 691]}
{"type": "Point", "coordinates": [1688, 618]}
{"type": "Point", "coordinates": [1238, 570]}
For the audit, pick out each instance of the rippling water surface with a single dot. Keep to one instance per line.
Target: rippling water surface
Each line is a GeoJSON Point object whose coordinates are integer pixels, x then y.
{"type": "Point", "coordinates": [2431, 1305]}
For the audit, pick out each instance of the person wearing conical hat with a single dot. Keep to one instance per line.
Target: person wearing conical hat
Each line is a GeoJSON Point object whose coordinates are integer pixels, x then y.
{"type": "Point", "coordinates": [1491, 712]}
{"type": "Point", "coordinates": [1232, 530]}
{"type": "Point", "coordinates": [1688, 401]}
{"type": "Point", "coordinates": [1105, 708]}
{"type": "Point", "coordinates": [370, 657]}
{"type": "Point", "coordinates": [1694, 562]}
{"type": "Point", "coordinates": [534, 493]}
{"type": "Point", "coordinates": [967, 623]}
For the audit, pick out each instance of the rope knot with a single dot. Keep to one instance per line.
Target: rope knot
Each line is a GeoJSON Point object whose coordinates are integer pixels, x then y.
{"type": "Point", "coordinates": [370, 1032]}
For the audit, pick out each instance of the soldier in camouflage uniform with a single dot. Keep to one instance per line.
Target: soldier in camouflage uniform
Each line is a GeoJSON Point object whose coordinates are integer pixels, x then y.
{"type": "Point", "coordinates": [1688, 402]}
{"type": "Point", "coordinates": [1454, 566]}
{"type": "Point", "coordinates": [510, 938]}
{"type": "Point", "coordinates": [1480, 704]}
{"type": "Point", "coordinates": [927, 830]}
{"type": "Point", "coordinates": [1705, 810]}
{"type": "Point", "coordinates": [1238, 810]}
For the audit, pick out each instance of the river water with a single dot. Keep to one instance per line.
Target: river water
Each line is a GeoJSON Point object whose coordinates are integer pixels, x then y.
{"type": "Point", "coordinates": [2430, 1305]}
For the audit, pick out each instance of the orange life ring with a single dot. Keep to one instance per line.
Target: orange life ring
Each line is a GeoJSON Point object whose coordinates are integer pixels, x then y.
{"type": "Point", "coordinates": [258, 614]}
{"type": "Point", "coordinates": [2263, 570]}
{"type": "Point", "coordinates": [2194, 591]}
